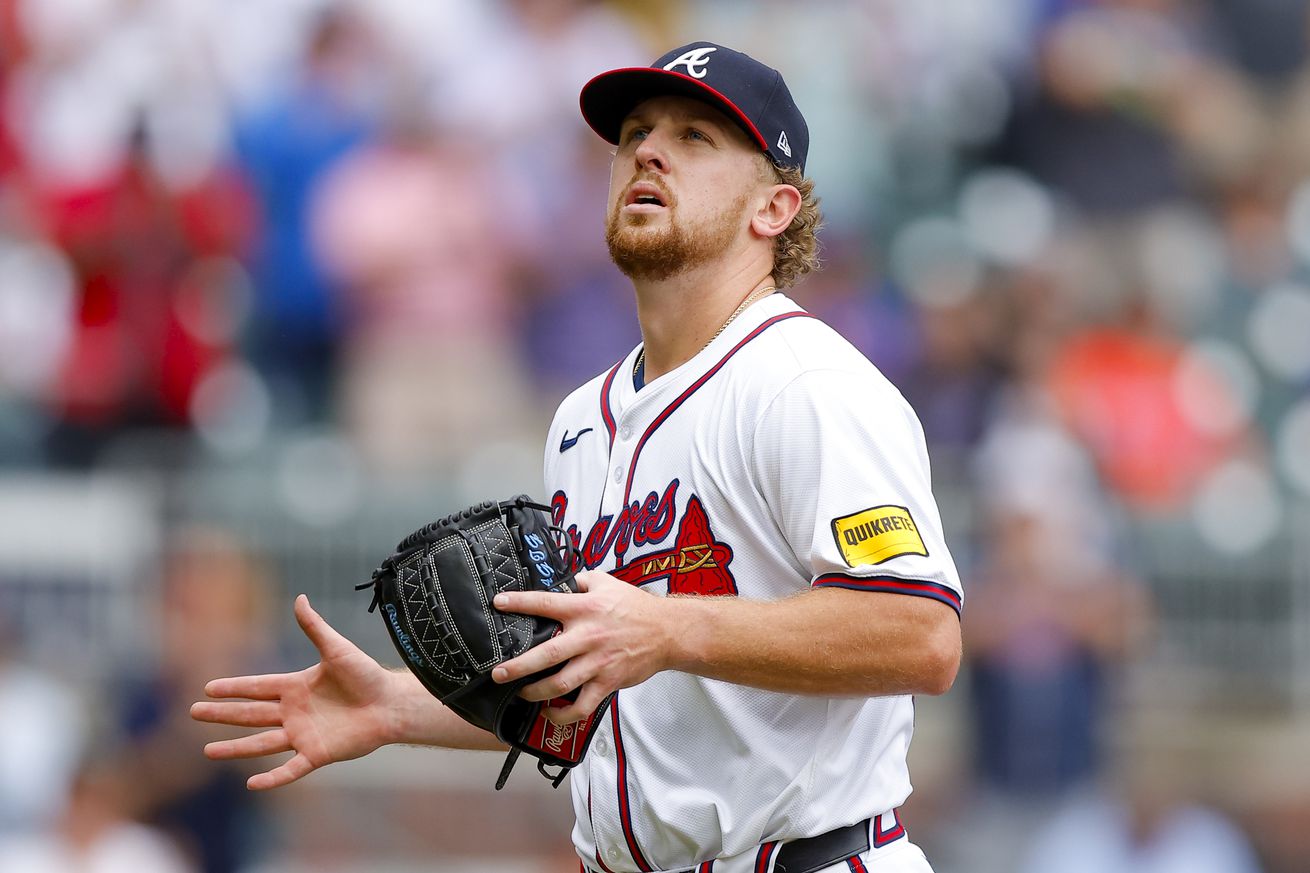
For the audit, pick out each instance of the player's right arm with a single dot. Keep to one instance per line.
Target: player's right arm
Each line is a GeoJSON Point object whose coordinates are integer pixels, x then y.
{"type": "Point", "coordinates": [344, 707]}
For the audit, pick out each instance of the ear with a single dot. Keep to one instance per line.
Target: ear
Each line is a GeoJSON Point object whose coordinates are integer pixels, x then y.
{"type": "Point", "coordinates": [775, 214]}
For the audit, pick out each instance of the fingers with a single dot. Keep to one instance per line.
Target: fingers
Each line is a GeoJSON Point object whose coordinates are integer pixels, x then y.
{"type": "Point", "coordinates": [574, 675]}
{"type": "Point", "coordinates": [287, 773]}
{"type": "Point", "coordinates": [270, 686]}
{"type": "Point", "coordinates": [558, 605]}
{"type": "Point", "coordinates": [238, 713]}
{"type": "Point", "coordinates": [320, 633]}
{"type": "Point", "coordinates": [549, 604]}
{"type": "Point", "coordinates": [567, 715]}
{"type": "Point", "coordinates": [253, 746]}
{"type": "Point", "coordinates": [589, 697]}
{"type": "Point", "coordinates": [555, 650]}
{"type": "Point", "coordinates": [265, 687]}
{"type": "Point", "coordinates": [581, 674]}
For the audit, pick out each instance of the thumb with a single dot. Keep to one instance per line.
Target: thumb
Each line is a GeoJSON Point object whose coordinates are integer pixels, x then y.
{"type": "Point", "coordinates": [320, 633]}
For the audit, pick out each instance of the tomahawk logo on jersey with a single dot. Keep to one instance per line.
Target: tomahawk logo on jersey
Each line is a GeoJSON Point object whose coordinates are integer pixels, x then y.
{"type": "Point", "coordinates": [775, 460]}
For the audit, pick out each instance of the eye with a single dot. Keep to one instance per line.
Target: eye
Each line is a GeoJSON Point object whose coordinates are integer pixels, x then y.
{"type": "Point", "coordinates": [697, 135]}
{"type": "Point", "coordinates": [636, 134]}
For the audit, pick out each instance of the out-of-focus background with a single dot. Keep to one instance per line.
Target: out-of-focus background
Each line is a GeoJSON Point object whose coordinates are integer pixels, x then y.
{"type": "Point", "coordinates": [282, 279]}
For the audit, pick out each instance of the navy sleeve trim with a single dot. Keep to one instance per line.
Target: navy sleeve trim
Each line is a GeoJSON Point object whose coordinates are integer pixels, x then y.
{"type": "Point", "coordinates": [892, 585]}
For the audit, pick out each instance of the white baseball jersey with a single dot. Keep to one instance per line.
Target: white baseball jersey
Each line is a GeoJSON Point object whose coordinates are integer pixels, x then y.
{"type": "Point", "coordinates": [777, 459]}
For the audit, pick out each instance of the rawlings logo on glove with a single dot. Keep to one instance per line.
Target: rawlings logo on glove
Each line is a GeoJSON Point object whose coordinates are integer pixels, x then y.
{"type": "Point", "coordinates": [436, 592]}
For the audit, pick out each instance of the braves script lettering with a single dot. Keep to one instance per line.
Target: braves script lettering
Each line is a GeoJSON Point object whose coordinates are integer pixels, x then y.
{"type": "Point", "coordinates": [639, 523]}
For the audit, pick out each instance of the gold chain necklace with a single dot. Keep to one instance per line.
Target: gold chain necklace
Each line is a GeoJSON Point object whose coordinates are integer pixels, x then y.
{"type": "Point", "coordinates": [757, 294]}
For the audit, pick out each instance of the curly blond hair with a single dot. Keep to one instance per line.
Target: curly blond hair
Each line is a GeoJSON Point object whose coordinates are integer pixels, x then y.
{"type": "Point", "coordinates": [796, 249]}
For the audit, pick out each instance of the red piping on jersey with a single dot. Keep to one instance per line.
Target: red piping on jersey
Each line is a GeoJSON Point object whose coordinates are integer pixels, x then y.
{"type": "Point", "coordinates": [605, 413]}
{"type": "Point", "coordinates": [625, 810]}
{"type": "Point", "coordinates": [881, 837]}
{"type": "Point", "coordinates": [765, 856]}
{"type": "Point", "coordinates": [893, 585]}
{"type": "Point", "coordinates": [695, 386]}
{"type": "Point", "coordinates": [856, 865]}
{"type": "Point", "coordinates": [705, 867]}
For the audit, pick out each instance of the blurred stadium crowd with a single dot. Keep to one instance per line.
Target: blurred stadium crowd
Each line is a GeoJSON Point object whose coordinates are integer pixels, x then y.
{"type": "Point", "coordinates": [279, 278]}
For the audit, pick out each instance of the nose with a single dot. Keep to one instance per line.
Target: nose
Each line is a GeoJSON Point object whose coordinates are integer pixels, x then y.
{"type": "Point", "coordinates": [651, 153]}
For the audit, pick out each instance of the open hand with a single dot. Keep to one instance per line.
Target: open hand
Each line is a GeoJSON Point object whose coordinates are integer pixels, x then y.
{"type": "Point", "coordinates": [336, 710]}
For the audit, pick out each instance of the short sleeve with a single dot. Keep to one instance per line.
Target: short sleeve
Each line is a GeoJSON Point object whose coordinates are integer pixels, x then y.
{"type": "Point", "coordinates": [841, 462]}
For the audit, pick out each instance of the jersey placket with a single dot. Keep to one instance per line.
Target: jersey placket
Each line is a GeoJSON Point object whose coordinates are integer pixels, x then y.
{"type": "Point", "coordinates": [612, 810]}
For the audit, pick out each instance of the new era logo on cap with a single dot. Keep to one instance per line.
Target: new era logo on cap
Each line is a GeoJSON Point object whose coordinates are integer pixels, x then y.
{"type": "Point", "coordinates": [751, 93]}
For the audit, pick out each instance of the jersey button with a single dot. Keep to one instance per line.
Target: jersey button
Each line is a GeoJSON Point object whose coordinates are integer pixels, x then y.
{"type": "Point", "coordinates": [613, 853]}
{"type": "Point", "coordinates": [618, 474]}
{"type": "Point", "coordinates": [625, 432]}
{"type": "Point", "coordinates": [602, 745]}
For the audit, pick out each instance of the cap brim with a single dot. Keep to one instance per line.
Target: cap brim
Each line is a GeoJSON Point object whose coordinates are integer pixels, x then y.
{"type": "Point", "coordinates": [610, 97]}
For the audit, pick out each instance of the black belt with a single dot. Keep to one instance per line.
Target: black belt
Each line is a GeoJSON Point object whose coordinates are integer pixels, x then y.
{"type": "Point", "coordinates": [815, 853]}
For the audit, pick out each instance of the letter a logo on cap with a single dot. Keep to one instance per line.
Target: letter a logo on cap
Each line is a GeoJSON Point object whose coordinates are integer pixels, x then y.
{"type": "Point", "coordinates": [695, 61]}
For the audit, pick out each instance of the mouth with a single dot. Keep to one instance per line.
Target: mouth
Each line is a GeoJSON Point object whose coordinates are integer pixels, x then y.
{"type": "Point", "coordinates": [644, 197]}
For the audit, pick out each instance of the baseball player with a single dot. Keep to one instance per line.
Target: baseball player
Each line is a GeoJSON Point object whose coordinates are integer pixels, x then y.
{"type": "Point", "coordinates": [765, 580]}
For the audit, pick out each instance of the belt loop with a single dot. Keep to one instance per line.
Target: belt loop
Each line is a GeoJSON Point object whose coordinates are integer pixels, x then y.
{"type": "Point", "coordinates": [882, 835]}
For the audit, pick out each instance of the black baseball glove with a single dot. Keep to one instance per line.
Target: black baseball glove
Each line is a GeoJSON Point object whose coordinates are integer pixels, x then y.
{"type": "Point", "coordinates": [435, 593]}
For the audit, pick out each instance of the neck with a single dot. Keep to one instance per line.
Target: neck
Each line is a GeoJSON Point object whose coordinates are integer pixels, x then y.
{"type": "Point", "coordinates": [680, 315]}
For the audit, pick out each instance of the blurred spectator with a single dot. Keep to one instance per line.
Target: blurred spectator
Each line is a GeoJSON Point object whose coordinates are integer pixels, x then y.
{"type": "Point", "coordinates": [95, 833]}
{"type": "Point", "coordinates": [1130, 98]}
{"type": "Point", "coordinates": [41, 737]}
{"type": "Point", "coordinates": [953, 383]}
{"type": "Point", "coordinates": [37, 308]}
{"type": "Point", "coordinates": [521, 101]}
{"type": "Point", "coordinates": [411, 228]}
{"type": "Point", "coordinates": [1121, 388]}
{"type": "Point", "coordinates": [521, 94]}
{"type": "Point", "coordinates": [286, 146]}
{"type": "Point", "coordinates": [113, 132]}
{"type": "Point", "coordinates": [569, 284]}
{"type": "Point", "coordinates": [144, 330]}
{"type": "Point", "coordinates": [214, 616]}
{"type": "Point", "coordinates": [1146, 822]}
{"type": "Point", "coordinates": [1051, 613]}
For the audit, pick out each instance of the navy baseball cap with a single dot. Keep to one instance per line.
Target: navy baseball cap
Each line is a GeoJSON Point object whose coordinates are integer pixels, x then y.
{"type": "Point", "coordinates": [747, 91]}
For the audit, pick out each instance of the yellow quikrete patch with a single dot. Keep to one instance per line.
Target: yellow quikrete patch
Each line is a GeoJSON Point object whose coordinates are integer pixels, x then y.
{"type": "Point", "coordinates": [877, 534]}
